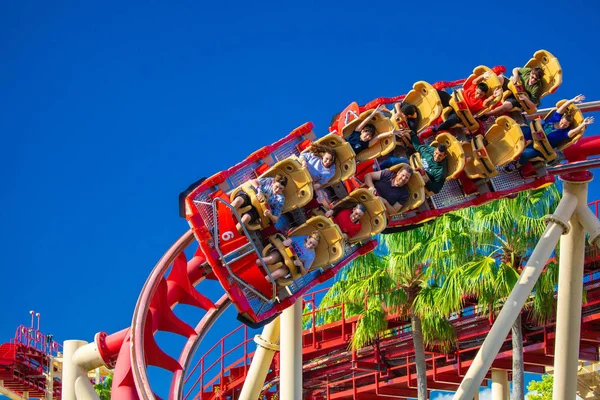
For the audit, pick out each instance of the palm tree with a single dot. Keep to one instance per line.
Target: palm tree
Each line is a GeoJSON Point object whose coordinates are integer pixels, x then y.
{"type": "Point", "coordinates": [493, 242]}
{"type": "Point", "coordinates": [402, 276]}
{"type": "Point", "coordinates": [103, 388]}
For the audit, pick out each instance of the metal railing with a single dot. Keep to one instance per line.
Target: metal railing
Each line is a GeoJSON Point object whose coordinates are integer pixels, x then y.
{"type": "Point", "coordinates": [311, 318]}
{"type": "Point", "coordinates": [31, 337]}
{"type": "Point", "coordinates": [226, 264]}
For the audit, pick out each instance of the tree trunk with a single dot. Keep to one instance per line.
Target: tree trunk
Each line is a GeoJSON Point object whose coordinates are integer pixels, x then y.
{"type": "Point", "coordinates": [417, 332]}
{"type": "Point", "coordinates": [518, 392]}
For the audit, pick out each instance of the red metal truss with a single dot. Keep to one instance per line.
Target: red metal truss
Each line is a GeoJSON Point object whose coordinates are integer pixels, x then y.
{"type": "Point", "coordinates": [26, 361]}
{"type": "Point", "coordinates": [387, 368]}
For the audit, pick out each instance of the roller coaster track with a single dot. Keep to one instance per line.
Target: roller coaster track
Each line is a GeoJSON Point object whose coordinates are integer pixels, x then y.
{"type": "Point", "coordinates": [173, 281]}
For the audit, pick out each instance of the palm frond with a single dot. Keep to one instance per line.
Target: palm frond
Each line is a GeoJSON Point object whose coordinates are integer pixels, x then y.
{"type": "Point", "coordinates": [438, 331]}
{"type": "Point", "coordinates": [370, 325]}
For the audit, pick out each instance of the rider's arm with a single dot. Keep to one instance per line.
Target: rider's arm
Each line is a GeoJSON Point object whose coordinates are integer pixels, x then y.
{"type": "Point", "coordinates": [586, 122]}
{"type": "Point", "coordinates": [367, 120]}
{"type": "Point", "coordinates": [370, 177]}
{"type": "Point", "coordinates": [529, 103]}
{"type": "Point", "coordinates": [391, 209]}
{"type": "Point", "coordinates": [563, 109]}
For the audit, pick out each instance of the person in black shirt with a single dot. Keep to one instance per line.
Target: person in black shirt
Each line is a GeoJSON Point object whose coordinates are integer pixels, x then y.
{"type": "Point", "coordinates": [391, 187]}
{"type": "Point", "coordinates": [364, 137]}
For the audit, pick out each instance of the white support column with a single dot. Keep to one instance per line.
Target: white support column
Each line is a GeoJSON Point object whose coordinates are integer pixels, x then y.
{"type": "Point", "coordinates": [84, 390]}
{"type": "Point", "coordinates": [570, 289]}
{"type": "Point", "coordinates": [291, 353]}
{"type": "Point", "coordinates": [557, 224]}
{"type": "Point", "coordinates": [50, 379]}
{"type": "Point", "coordinates": [500, 387]}
{"type": "Point", "coordinates": [79, 357]}
{"type": "Point", "coordinates": [267, 345]}
{"type": "Point", "coordinates": [590, 223]}
{"type": "Point", "coordinates": [70, 371]}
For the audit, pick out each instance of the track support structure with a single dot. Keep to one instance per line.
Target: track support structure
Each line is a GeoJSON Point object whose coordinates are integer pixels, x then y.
{"type": "Point", "coordinates": [79, 357]}
{"type": "Point", "coordinates": [570, 291]}
{"type": "Point", "coordinates": [557, 224]}
{"type": "Point", "coordinates": [291, 352]}
{"type": "Point", "coordinates": [267, 345]}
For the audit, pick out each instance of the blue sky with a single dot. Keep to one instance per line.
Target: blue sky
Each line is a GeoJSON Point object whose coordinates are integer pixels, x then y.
{"type": "Point", "coordinates": [109, 110]}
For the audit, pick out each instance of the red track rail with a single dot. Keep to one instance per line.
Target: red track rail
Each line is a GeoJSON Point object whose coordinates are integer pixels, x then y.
{"type": "Point", "coordinates": [172, 281]}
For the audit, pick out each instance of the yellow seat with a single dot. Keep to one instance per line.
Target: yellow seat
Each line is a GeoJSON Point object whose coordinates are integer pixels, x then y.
{"type": "Point", "coordinates": [416, 190]}
{"type": "Point", "coordinates": [298, 192]}
{"type": "Point", "coordinates": [541, 142]}
{"type": "Point", "coordinates": [493, 83]}
{"type": "Point", "coordinates": [374, 221]}
{"type": "Point", "coordinates": [540, 139]}
{"type": "Point", "coordinates": [473, 168]}
{"type": "Point", "coordinates": [552, 71]}
{"type": "Point", "coordinates": [428, 103]}
{"type": "Point", "coordinates": [329, 250]}
{"type": "Point", "coordinates": [505, 141]}
{"type": "Point", "coordinates": [260, 206]}
{"type": "Point", "coordinates": [288, 258]}
{"type": "Point", "coordinates": [505, 144]}
{"type": "Point", "coordinates": [551, 81]}
{"type": "Point", "coordinates": [455, 154]}
{"type": "Point", "coordinates": [459, 105]}
{"type": "Point", "coordinates": [382, 125]}
{"type": "Point", "coordinates": [345, 163]}
{"type": "Point", "coordinates": [417, 164]}
{"type": "Point", "coordinates": [578, 118]}
{"type": "Point", "coordinates": [483, 161]}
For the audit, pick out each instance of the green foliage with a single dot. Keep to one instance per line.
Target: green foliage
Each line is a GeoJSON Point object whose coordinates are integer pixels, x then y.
{"type": "Point", "coordinates": [427, 272]}
{"type": "Point", "coordinates": [403, 280]}
{"type": "Point", "coordinates": [103, 388]}
{"type": "Point", "coordinates": [542, 388]}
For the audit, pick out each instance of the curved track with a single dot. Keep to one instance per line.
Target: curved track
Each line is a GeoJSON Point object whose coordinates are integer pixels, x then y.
{"type": "Point", "coordinates": [173, 281]}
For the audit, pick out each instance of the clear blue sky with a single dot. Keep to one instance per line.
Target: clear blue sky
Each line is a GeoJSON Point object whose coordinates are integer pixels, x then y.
{"type": "Point", "coordinates": [109, 110]}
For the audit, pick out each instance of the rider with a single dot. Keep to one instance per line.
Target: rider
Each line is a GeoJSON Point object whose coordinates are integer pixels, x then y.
{"type": "Point", "coordinates": [557, 129]}
{"type": "Point", "coordinates": [391, 187]}
{"type": "Point", "coordinates": [347, 215]}
{"type": "Point", "coordinates": [531, 78]}
{"type": "Point", "coordinates": [433, 158]}
{"type": "Point", "coordinates": [320, 161]}
{"type": "Point", "coordinates": [364, 135]}
{"type": "Point", "coordinates": [304, 248]}
{"type": "Point", "coordinates": [270, 189]}
{"type": "Point", "coordinates": [476, 99]}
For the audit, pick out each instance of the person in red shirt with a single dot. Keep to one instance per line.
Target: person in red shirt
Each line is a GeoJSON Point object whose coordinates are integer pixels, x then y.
{"type": "Point", "coordinates": [476, 99]}
{"type": "Point", "coordinates": [347, 216]}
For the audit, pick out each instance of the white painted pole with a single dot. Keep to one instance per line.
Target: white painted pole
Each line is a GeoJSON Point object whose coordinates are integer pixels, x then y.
{"type": "Point", "coordinates": [50, 379]}
{"type": "Point", "coordinates": [266, 346]}
{"type": "Point", "coordinates": [70, 370]}
{"type": "Point", "coordinates": [570, 288]}
{"type": "Point", "coordinates": [499, 384]}
{"type": "Point", "coordinates": [557, 224]}
{"type": "Point", "coordinates": [88, 358]}
{"type": "Point", "coordinates": [590, 223]}
{"type": "Point", "coordinates": [84, 390]}
{"type": "Point", "coordinates": [79, 357]}
{"type": "Point", "coordinates": [291, 352]}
